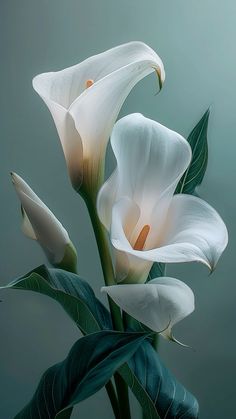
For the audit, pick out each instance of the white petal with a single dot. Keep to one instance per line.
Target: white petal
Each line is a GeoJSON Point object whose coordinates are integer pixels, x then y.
{"type": "Point", "coordinates": [70, 139]}
{"type": "Point", "coordinates": [65, 86]}
{"type": "Point", "coordinates": [106, 198]}
{"type": "Point", "coordinates": [95, 109]}
{"type": "Point", "coordinates": [194, 231]}
{"type": "Point", "coordinates": [40, 223]}
{"type": "Point", "coordinates": [125, 216]}
{"type": "Point", "coordinates": [150, 161]}
{"type": "Point", "coordinates": [21, 186]}
{"type": "Point", "coordinates": [159, 304]}
{"type": "Point", "coordinates": [26, 226]}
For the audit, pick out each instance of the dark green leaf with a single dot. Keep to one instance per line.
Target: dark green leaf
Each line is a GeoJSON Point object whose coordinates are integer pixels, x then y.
{"type": "Point", "coordinates": [74, 294]}
{"type": "Point", "coordinates": [158, 392]}
{"type": "Point", "coordinates": [194, 174]}
{"type": "Point", "coordinates": [158, 269]}
{"type": "Point", "coordinates": [90, 364]}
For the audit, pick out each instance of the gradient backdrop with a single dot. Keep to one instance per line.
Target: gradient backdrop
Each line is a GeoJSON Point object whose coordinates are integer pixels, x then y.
{"type": "Point", "coordinates": [196, 40]}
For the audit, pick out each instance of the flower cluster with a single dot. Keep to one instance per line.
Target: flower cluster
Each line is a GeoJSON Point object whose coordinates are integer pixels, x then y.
{"type": "Point", "coordinates": [146, 221]}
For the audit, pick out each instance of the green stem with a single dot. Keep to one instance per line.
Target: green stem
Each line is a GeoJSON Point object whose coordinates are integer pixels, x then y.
{"type": "Point", "coordinates": [113, 399]}
{"type": "Point", "coordinates": [123, 396]}
{"type": "Point", "coordinates": [109, 278]}
{"type": "Point", "coordinates": [105, 257]}
{"type": "Point", "coordinates": [109, 386]}
{"type": "Point", "coordinates": [155, 342]}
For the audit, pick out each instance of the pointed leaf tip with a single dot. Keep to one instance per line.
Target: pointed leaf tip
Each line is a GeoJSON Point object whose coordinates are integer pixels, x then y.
{"type": "Point", "coordinates": [194, 175]}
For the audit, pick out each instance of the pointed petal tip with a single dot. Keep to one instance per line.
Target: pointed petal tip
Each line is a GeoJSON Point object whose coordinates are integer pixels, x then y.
{"type": "Point", "coordinates": [212, 269]}
{"type": "Point", "coordinates": [12, 174]}
{"type": "Point", "coordinates": [211, 264]}
{"type": "Point", "coordinates": [17, 182]}
{"type": "Point", "coordinates": [161, 77]}
{"type": "Point", "coordinates": [169, 336]}
{"type": "Point", "coordinates": [14, 178]}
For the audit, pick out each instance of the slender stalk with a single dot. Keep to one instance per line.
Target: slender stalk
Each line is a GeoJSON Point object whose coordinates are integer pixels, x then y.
{"type": "Point", "coordinates": [105, 257]}
{"type": "Point", "coordinates": [123, 396]}
{"type": "Point", "coordinates": [109, 278]}
{"type": "Point", "coordinates": [155, 342]}
{"type": "Point", "coordinates": [109, 386]}
{"type": "Point", "coordinates": [113, 399]}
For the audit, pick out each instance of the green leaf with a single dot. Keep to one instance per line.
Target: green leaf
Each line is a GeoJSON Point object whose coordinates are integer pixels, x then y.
{"type": "Point", "coordinates": [158, 269]}
{"type": "Point", "coordinates": [158, 392]}
{"type": "Point", "coordinates": [194, 174]}
{"type": "Point", "coordinates": [74, 294]}
{"type": "Point", "coordinates": [90, 364]}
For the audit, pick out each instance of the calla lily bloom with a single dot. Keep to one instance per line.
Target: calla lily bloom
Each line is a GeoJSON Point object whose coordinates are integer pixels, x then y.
{"type": "Point", "coordinates": [85, 100]}
{"type": "Point", "coordinates": [159, 304]}
{"type": "Point", "coordinates": [137, 205]}
{"type": "Point", "coordinates": [40, 224]}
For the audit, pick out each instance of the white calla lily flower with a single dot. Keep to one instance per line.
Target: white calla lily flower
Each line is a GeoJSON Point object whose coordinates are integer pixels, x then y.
{"type": "Point", "coordinates": [137, 205]}
{"type": "Point", "coordinates": [40, 224]}
{"type": "Point", "coordinates": [85, 100]}
{"type": "Point", "coordinates": [159, 304]}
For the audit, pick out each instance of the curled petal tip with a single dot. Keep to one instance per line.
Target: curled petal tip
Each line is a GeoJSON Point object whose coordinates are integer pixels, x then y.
{"type": "Point", "coordinates": [168, 335]}
{"type": "Point", "coordinates": [211, 269]}
{"type": "Point", "coordinates": [93, 90]}
{"type": "Point", "coordinates": [210, 264]}
{"type": "Point", "coordinates": [161, 77]}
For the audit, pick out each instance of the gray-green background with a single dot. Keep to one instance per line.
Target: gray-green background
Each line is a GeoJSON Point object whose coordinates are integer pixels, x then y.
{"type": "Point", "coordinates": [196, 40]}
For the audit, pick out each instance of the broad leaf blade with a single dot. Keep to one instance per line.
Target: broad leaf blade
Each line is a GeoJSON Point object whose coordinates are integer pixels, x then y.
{"type": "Point", "coordinates": [74, 294]}
{"type": "Point", "coordinates": [158, 392]}
{"type": "Point", "coordinates": [194, 174]}
{"type": "Point", "coordinates": [90, 364]}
